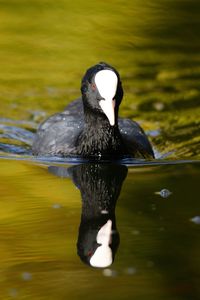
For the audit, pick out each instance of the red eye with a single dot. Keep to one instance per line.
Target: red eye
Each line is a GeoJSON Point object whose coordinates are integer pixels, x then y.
{"type": "Point", "coordinates": [89, 253]}
{"type": "Point", "coordinates": [93, 86]}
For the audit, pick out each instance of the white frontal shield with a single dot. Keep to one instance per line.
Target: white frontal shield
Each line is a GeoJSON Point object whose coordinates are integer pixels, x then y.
{"type": "Point", "coordinates": [106, 82]}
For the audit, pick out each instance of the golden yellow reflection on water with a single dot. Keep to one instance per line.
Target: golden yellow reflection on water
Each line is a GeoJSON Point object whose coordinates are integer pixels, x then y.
{"type": "Point", "coordinates": [45, 47]}
{"type": "Point", "coordinates": [39, 221]}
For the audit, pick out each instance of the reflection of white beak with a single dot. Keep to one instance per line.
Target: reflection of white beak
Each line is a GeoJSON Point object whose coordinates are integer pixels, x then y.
{"type": "Point", "coordinates": [106, 82]}
{"type": "Point", "coordinates": [102, 257]}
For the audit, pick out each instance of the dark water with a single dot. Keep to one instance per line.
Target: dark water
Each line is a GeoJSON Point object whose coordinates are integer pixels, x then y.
{"type": "Point", "coordinates": [52, 210]}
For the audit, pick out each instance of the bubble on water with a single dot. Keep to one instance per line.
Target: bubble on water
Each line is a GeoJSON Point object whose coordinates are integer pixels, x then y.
{"type": "Point", "coordinates": [195, 220]}
{"type": "Point", "coordinates": [109, 273]}
{"type": "Point", "coordinates": [164, 193]}
{"type": "Point", "coordinates": [26, 276]}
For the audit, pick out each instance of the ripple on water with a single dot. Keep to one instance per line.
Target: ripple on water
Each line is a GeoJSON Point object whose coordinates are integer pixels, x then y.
{"type": "Point", "coordinates": [15, 143]}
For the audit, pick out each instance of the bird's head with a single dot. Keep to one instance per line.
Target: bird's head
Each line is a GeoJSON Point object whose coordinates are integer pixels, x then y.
{"type": "Point", "coordinates": [102, 91]}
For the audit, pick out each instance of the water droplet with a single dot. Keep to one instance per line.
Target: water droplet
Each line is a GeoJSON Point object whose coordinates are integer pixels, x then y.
{"type": "Point", "coordinates": [164, 193]}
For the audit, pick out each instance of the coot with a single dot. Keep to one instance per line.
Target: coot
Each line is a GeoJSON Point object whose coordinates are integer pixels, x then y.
{"type": "Point", "coordinates": [89, 127]}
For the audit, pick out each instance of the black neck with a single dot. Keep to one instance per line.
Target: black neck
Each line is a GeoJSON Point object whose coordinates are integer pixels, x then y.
{"type": "Point", "coordinates": [99, 138]}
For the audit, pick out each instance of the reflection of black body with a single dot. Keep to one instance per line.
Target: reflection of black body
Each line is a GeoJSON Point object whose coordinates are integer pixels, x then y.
{"type": "Point", "coordinates": [100, 186]}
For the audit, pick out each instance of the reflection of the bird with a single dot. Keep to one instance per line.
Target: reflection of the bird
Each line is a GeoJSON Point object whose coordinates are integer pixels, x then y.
{"type": "Point", "coordinates": [100, 186]}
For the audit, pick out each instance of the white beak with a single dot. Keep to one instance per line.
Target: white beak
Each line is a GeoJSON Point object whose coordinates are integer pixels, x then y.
{"type": "Point", "coordinates": [106, 82]}
{"type": "Point", "coordinates": [102, 257]}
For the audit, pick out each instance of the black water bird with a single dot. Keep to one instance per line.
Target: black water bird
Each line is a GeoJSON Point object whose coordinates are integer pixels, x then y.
{"type": "Point", "coordinates": [89, 126]}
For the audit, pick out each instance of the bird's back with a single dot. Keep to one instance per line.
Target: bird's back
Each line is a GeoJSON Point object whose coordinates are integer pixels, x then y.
{"type": "Point", "coordinates": [57, 135]}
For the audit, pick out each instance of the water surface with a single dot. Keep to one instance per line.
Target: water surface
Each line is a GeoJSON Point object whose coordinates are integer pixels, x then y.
{"type": "Point", "coordinates": [53, 208]}
{"type": "Point", "coordinates": [158, 253]}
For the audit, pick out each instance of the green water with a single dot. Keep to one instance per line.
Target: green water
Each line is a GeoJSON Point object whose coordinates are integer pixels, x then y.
{"type": "Point", "coordinates": [45, 48]}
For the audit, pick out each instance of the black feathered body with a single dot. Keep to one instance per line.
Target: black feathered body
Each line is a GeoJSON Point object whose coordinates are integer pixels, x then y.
{"type": "Point", "coordinates": [58, 135]}
{"type": "Point", "coordinates": [67, 133]}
